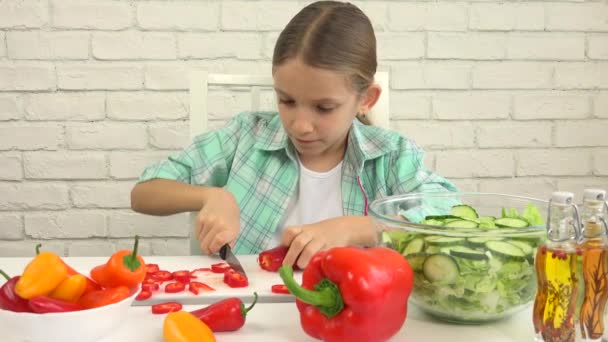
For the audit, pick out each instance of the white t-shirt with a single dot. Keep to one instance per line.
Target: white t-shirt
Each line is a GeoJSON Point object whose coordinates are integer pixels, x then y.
{"type": "Point", "coordinates": [317, 198]}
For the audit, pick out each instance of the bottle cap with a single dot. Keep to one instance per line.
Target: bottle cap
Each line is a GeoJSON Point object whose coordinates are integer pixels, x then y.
{"type": "Point", "coordinates": [594, 194]}
{"type": "Point", "coordinates": [562, 197]}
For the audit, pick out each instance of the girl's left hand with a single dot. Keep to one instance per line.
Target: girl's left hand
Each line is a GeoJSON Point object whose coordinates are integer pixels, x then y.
{"type": "Point", "coordinates": [306, 240]}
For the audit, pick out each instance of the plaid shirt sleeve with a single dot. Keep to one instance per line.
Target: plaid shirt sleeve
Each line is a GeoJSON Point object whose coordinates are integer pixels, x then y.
{"type": "Point", "coordinates": [206, 161]}
{"type": "Point", "coordinates": [408, 174]}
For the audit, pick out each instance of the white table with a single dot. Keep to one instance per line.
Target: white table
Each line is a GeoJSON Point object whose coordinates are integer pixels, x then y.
{"type": "Point", "coordinates": [276, 317]}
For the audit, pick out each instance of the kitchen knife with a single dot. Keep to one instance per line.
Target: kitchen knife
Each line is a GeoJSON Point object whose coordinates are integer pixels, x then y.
{"type": "Point", "coordinates": [227, 255]}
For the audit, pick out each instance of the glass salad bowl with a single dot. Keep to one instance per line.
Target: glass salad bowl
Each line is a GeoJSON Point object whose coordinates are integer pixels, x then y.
{"type": "Point", "coordinates": [472, 253]}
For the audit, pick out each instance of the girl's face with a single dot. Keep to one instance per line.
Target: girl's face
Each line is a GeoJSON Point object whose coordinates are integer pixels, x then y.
{"type": "Point", "coordinates": [317, 107]}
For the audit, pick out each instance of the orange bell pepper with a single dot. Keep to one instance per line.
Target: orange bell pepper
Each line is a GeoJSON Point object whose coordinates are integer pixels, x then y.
{"type": "Point", "coordinates": [125, 268]}
{"type": "Point", "coordinates": [41, 276]}
{"type": "Point", "coordinates": [183, 326]}
{"type": "Point", "coordinates": [104, 297]}
{"type": "Point", "coordinates": [70, 289]}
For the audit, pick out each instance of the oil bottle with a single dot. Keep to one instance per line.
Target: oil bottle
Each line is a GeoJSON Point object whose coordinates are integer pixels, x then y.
{"type": "Point", "coordinates": [557, 281]}
{"type": "Point", "coordinates": [594, 248]}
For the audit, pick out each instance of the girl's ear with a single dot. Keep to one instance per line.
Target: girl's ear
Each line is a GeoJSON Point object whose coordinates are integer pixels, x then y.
{"type": "Point", "coordinates": [369, 98]}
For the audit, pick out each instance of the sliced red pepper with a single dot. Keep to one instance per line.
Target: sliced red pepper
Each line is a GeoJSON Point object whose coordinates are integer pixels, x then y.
{"type": "Point", "coordinates": [221, 267]}
{"type": "Point", "coordinates": [194, 274]}
{"type": "Point", "coordinates": [280, 288]}
{"type": "Point", "coordinates": [143, 295]}
{"type": "Point", "coordinates": [162, 276]}
{"type": "Point", "coordinates": [44, 304]}
{"type": "Point", "coordinates": [151, 268]}
{"type": "Point", "coordinates": [181, 276]}
{"type": "Point", "coordinates": [235, 279]}
{"type": "Point", "coordinates": [175, 287]}
{"type": "Point", "coordinates": [272, 259]}
{"type": "Point", "coordinates": [163, 308]}
{"type": "Point", "coordinates": [150, 287]}
{"type": "Point", "coordinates": [151, 280]}
{"type": "Point", "coordinates": [198, 287]}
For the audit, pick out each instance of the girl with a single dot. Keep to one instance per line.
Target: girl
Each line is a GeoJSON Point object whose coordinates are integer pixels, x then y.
{"type": "Point", "coordinates": [302, 177]}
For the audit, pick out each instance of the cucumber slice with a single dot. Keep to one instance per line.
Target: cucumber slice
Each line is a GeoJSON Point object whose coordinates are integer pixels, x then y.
{"type": "Point", "coordinates": [441, 217]}
{"type": "Point", "coordinates": [416, 261]}
{"type": "Point", "coordinates": [487, 218]}
{"type": "Point", "coordinates": [467, 253]}
{"type": "Point", "coordinates": [432, 222]}
{"type": "Point", "coordinates": [461, 224]}
{"type": "Point", "coordinates": [487, 225]}
{"type": "Point", "coordinates": [525, 247]}
{"type": "Point", "coordinates": [509, 222]}
{"type": "Point", "coordinates": [506, 249]}
{"type": "Point", "coordinates": [440, 268]}
{"type": "Point", "coordinates": [443, 240]}
{"type": "Point", "coordinates": [415, 246]}
{"type": "Point", "coordinates": [464, 211]}
{"type": "Point", "coordinates": [481, 241]}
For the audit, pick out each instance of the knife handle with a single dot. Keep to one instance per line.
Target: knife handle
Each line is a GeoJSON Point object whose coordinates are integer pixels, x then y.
{"type": "Point", "coordinates": [224, 250]}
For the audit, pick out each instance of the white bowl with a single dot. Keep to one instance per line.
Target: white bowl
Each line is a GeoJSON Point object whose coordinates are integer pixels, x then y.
{"type": "Point", "coordinates": [77, 326]}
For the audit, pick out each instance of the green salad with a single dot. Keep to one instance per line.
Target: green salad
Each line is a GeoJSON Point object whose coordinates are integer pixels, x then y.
{"type": "Point", "coordinates": [475, 278]}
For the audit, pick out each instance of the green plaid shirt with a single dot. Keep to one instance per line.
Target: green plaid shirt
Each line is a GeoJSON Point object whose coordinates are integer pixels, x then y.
{"type": "Point", "coordinates": [253, 158]}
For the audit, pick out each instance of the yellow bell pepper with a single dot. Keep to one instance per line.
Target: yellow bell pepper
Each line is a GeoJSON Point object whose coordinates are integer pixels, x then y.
{"type": "Point", "coordinates": [182, 326]}
{"type": "Point", "coordinates": [41, 276]}
{"type": "Point", "coordinates": [70, 289]}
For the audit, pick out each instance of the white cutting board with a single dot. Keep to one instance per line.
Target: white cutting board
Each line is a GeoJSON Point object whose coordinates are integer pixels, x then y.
{"type": "Point", "coordinates": [260, 281]}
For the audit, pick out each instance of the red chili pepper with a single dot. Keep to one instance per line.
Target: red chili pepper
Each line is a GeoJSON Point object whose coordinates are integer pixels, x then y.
{"type": "Point", "coordinates": [280, 289]}
{"type": "Point", "coordinates": [151, 268]}
{"type": "Point", "coordinates": [352, 294]}
{"type": "Point", "coordinates": [221, 267]}
{"type": "Point", "coordinates": [9, 300]}
{"type": "Point", "coordinates": [104, 297]}
{"type": "Point", "coordinates": [167, 307]}
{"type": "Point", "coordinates": [162, 276]}
{"type": "Point", "coordinates": [225, 315]}
{"type": "Point", "coordinates": [198, 287]}
{"type": "Point", "coordinates": [235, 279]}
{"type": "Point", "coordinates": [175, 287]}
{"type": "Point", "coordinates": [272, 259]}
{"type": "Point", "coordinates": [143, 295]}
{"type": "Point", "coordinates": [44, 304]}
{"type": "Point", "coordinates": [181, 276]}
{"type": "Point", "coordinates": [151, 287]}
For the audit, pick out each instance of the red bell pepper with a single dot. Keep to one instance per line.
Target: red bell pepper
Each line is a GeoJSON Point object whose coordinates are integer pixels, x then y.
{"type": "Point", "coordinates": [175, 287]}
{"type": "Point", "coordinates": [197, 287]}
{"type": "Point", "coordinates": [163, 308]}
{"type": "Point", "coordinates": [272, 259]}
{"type": "Point", "coordinates": [279, 289]}
{"type": "Point", "coordinates": [125, 268]}
{"type": "Point", "coordinates": [352, 294]}
{"type": "Point", "coordinates": [181, 276]}
{"type": "Point", "coordinates": [9, 300]}
{"type": "Point", "coordinates": [44, 304]}
{"type": "Point", "coordinates": [226, 315]}
{"type": "Point", "coordinates": [220, 267]}
{"type": "Point", "coordinates": [235, 279]}
{"type": "Point", "coordinates": [143, 295]}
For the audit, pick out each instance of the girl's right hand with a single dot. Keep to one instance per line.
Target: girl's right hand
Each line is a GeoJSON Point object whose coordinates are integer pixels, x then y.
{"type": "Point", "coordinates": [218, 222]}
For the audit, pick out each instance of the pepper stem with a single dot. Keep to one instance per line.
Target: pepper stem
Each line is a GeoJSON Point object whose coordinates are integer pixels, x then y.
{"type": "Point", "coordinates": [130, 260]}
{"type": "Point", "coordinates": [326, 296]}
{"type": "Point", "coordinates": [5, 275]}
{"type": "Point", "coordinates": [38, 248]}
{"type": "Point", "coordinates": [245, 310]}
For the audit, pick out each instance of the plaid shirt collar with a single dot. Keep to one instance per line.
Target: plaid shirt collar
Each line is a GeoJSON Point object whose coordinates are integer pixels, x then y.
{"type": "Point", "coordinates": [364, 142]}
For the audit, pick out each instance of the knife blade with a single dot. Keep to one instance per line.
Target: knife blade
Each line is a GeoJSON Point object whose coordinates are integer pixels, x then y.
{"type": "Point", "coordinates": [227, 255]}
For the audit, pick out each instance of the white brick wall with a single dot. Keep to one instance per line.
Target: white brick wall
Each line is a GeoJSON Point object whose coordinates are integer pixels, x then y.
{"type": "Point", "coordinates": [505, 96]}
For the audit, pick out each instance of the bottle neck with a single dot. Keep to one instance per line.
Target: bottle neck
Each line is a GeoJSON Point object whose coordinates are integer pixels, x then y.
{"type": "Point", "coordinates": [592, 219]}
{"type": "Point", "coordinates": [562, 223]}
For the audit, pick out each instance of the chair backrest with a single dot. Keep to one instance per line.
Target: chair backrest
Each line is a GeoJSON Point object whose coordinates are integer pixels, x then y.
{"type": "Point", "coordinates": [201, 81]}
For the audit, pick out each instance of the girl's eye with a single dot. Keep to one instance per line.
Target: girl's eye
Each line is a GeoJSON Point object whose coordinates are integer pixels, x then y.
{"type": "Point", "coordinates": [322, 109]}
{"type": "Point", "coordinates": [287, 102]}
